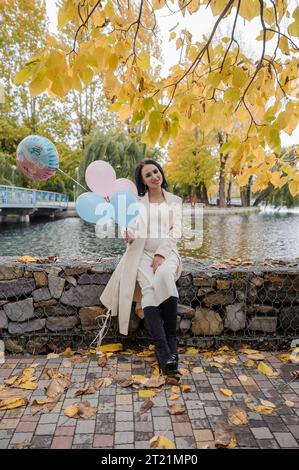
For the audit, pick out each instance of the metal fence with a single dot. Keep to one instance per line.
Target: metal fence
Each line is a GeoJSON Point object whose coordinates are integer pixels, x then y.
{"type": "Point", "coordinates": [49, 307]}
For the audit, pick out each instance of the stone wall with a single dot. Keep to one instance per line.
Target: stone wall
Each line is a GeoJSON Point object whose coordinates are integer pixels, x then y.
{"type": "Point", "coordinates": [43, 302]}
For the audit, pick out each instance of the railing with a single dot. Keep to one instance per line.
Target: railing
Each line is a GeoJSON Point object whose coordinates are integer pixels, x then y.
{"type": "Point", "coordinates": [15, 197]}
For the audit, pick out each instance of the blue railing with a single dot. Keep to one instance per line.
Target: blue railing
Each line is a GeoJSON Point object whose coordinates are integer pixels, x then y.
{"type": "Point", "coordinates": [12, 196]}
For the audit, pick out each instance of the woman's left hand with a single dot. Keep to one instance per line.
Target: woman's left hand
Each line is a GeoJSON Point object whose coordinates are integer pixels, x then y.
{"type": "Point", "coordinates": [157, 261]}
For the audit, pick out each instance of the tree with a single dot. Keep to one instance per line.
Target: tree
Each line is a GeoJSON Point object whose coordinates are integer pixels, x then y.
{"type": "Point", "coordinates": [191, 163]}
{"type": "Point", "coordinates": [214, 83]}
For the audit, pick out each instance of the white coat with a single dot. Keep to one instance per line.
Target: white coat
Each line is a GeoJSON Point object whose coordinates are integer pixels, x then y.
{"type": "Point", "coordinates": [122, 288]}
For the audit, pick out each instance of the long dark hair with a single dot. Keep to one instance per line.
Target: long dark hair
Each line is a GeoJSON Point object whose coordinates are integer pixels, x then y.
{"type": "Point", "coordinates": [141, 187]}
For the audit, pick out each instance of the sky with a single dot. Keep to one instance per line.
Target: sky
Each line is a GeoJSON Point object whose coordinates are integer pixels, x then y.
{"type": "Point", "coordinates": [246, 33]}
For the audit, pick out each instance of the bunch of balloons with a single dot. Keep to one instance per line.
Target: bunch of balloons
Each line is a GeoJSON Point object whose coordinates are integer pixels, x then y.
{"type": "Point", "coordinates": [110, 198]}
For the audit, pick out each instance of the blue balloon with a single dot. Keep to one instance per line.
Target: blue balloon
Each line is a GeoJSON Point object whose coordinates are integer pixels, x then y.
{"type": "Point", "coordinates": [89, 205]}
{"type": "Point", "coordinates": [125, 207]}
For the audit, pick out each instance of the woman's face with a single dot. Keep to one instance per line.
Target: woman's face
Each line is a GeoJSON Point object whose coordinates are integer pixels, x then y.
{"type": "Point", "coordinates": [151, 176]}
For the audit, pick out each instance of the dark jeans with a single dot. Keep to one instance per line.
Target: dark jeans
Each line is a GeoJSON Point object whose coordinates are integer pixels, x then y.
{"type": "Point", "coordinates": [161, 322]}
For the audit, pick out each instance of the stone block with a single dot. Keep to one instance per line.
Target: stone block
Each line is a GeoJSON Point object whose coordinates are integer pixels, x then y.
{"type": "Point", "coordinates": [8, 273]}
{"type": "Point", "coordinates": [186, 311]}
{"type": "Point", "coordinates": [61, 323]}
{"type": "Point", "coordinates": [82, 296]}
{"type": "Point", "coordinates": [41, 294]}
{"type": "Point", "coordinates": [20, 311]}
{"type": "Point", "coordinates": [206, 322]}
{"type": "Point", "coordinates": [218, 299]}
{"type": "Point", "coordinates": [15, 328]}
{"type": "Point", "coordinates": [265, 324]}
{"type": "Point", "coordinates": [56, 286]}
{"type": "Point", "coordinates": [3, 320]}
{"type": "Point", "coordinates": [235, 318]}
{"type": "Point", "coordinates": [41, 279]}
{"type": "Point", "coordinates": [15, 288]}
{"type": "Point", "coordinates": [88, 317]}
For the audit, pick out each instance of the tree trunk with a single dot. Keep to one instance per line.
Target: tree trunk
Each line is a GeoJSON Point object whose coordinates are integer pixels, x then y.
{"type": "Point", "coordinates": [229, 192]}
{"type": "Point", "coordinates": [223, 159]}
{"type": "Point", "coordinates": [245, 193]}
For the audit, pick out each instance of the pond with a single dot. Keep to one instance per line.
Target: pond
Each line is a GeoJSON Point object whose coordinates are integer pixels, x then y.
{"type": "Point", "coordinates": [268, 234]}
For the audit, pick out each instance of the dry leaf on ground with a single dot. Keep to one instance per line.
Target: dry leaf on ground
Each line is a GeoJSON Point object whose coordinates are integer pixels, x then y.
{"type": "Point", "coordinates": [93, 386]}
{"type": "Point", "coordinates": [174, 397]}
{"type": "Point", "coordinates": [52, 356]}
{"type": "Point", "coordinates": [146, 406]}
{"type": "Point", "coordinates": [115, 347]}
{"type": "Point", "coordinates": [197, 370]}
{"type": "Point", "coordinates": [177, 409]}
{"type": "Point", "coordinates": [250, 363]}
{"type": "Point", "coordinates": [256, 356]}
{"type": "Point", "coordinates": [226, 392]}
{"type": "Point", "coordinates": [102, 361]}
{"type": "Point", "coordinates": [289, 403]}
{"type": "Point", "coordinates": [186, 388]}
{"type": "Point", "coordinates": [253, 405]}
{"type": "Point", "coordinates": [184, 372]}
{"type": "Point", "coordinates": [56, 387]}
{"type": "Point", "coordinates": [161, 442]}
{"type": "Point", "coordinates": [267, 370]}
{"type": "Point", "coordinates": [154, 382]}
{"type": "Point", "coordinates": [243, 378]}
{"type": "Point", "coordinates": [24, 380]}
{"type": "Point", "coordinates": [237, 415]}
{"type": "Point", "coordinates": [80, 410]}
{"type": "Point", "coordinates": [191, 351]}
{"type": "Point", "coordinates": [147, 393]}
{"type": "Point", "coordinates": [224, 435]}
{"type": "Point", "coordinates": [45, 405]}
{"type": "Point", "coordinates": [11, 403]}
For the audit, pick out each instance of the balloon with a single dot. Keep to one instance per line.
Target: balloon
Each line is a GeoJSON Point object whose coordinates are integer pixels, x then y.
{"type": "Point", "coordinates": [100, 178]}
{"type": "Point", "coordinates": [87, 206]}
{"type": "Point", "coordinates": [37, 157]}
{"type": "Point", "coordinates": [126, 184]}
{"type": "Point", "coordinates": [125, 207]}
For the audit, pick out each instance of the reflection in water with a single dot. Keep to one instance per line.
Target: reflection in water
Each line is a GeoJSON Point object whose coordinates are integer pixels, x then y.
{"type": "Point", "coordinates": [254, 236]}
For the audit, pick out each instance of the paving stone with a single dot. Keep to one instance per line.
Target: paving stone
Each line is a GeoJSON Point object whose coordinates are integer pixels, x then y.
{"type": "Point", "coordinates": [124, 426]}
{"type": "Point", "coordinates": [185, 442]}
{"type": "Point", "coordinates": [182, 429]}
{"type": "Point", "coordinates": [45, 429]}
{"type": "Point", "coordinates": [162, 423]}
{"type": "Point", "coordinates": [103, 440]}
{"type": "Point", "coordinates": [268, 444]}
{"type": "Point", "coordinates": [41, 442]}
{"type": "Point", "coordinates": [85, 426]}
{"type": "Point", "coordinates": [261, 433]}
{"type": "Point", "coordinates": [124, 437]}
{"type": "Point", "coordinates": [294, 430]}
{"type": "Point", "coordinates": [4, 443]}
{"type": "Point", "coordinates": [64, 442]}
{"type": "Point", "coordinates": [86, 439]}
{"type": "Point", "coordinates": [285, 440]}
{"type": "Point", "coordinates": [203, 435]}
{"type": "Point", "coordinates": [21, 437]}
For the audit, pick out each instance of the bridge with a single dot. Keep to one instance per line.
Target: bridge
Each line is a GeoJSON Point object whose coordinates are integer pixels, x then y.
{"type": "Point", "coordinates": [20, 204]}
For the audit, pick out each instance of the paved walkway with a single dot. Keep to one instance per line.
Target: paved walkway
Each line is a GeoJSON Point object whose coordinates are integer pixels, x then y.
{"type": "Point", "coordinates": [118, 422]}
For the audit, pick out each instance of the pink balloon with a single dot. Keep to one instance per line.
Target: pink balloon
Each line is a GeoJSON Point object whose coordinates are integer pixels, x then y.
{"type": "Point", "coordinates": [100, 177]}
{"type": "Point", "coordinates": [126, 184]}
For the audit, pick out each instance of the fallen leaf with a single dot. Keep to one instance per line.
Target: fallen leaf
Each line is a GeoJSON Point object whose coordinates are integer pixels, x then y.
{"type": "Point", "coordinates": [226, 392]}
{"type": "Point", "coordinates": [232, 360]}
{"type": "Point", "coordinates": [161, 442]}
{"type": "Point", "coordinates": [248, 351]}
{"type": "Point", "coordinates": [11, 403]}
{"type": "Point", "coordinates": [102, 361]}
{"type": "Point", "coordinates": [80, 410]}
{"type": "Point", "coordinates": [250, 363]}
{"type": "Point", "coordinates": [266, 370]}
{"type": "Point", "coordinates": [215, 364]}
{"type": "Point", "coordinates": [146, 406]}
{"type": "Point", "coordinates": [258, 408]}
{"type": "Point", "coordinates": [52, 356]}
{"type": "Point", "coordinates": [24, 444]}
{"type": "Point", "coordinates": [191, 351]}
{"type": "Point", "coordinates": [197, 370]}
{"type": "Point", "coordinates": [285, 357]}
{"type": "Point", "coordinates": [55, 374]}
{"type": "Point", "coordinates": [237, 416]}
{"type": "Point", "coordinates": [67, 352]}
{"type": "Point", "coordinates": [45, 405]}
{"type": "Point", "coordinates": [268, 404]}
{"type": "Point", "coordinates": [184, 372]}
{"type": "Point", "coordinates": [154, 382]}
{"type": "Point", "coordinates": [176, 409]}
{"type": "Point", "coordinates": [186, 388]}
{"type": "Point", "coordinates": [57, 386]}
{"type": "Point", "coordinates": [25, 380]}
{"type": "Point", "coordinates": [174, 397]}
{"type": "Point", "coordinates": [295, 374]}
{"type": "Point", "coordinates": [289, 403]}
{"type": "Point", "coordinates": [188, 363]}
{"type": "Point", "coordinates": [224, 435]}
{"type": "Point", "coordinates": [26, 259]}
{"type": "Point", "coordinates": [9, 392]}
{"type": "Point", "coordinates": [147, 393]}
{"type": "Point", "coordinates": [256, 356]}
{"type": "Point", "coordinates": [219, 359]}
{"type": "Point", "coordinates": [93, 386]}
{"type": "Point", "coordinates": [175, 389]}
{"type": "Point", "coordinates": [110, 348]}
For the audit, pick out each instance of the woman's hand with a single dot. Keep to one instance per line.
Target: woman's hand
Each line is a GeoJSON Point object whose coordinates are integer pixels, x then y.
{"type": "Point", "coordinates": [128, 236]}
{"type": "Point", "coordinates": [157, 261]}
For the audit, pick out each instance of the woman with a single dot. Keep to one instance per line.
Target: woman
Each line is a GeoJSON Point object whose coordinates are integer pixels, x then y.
{"type": "Point", "coordinates": [148, 271]}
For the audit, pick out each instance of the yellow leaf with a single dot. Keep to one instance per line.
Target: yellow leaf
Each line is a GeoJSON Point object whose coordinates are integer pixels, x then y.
{"type": "Point", "coordinates": [237, 416]}
{"type": "Point", "coordinates": [174, 397]}
{"type": "Point", "coordinates": [11, 403]}
{"type": "Point", "coordinates": [23, 75]}
{"type": "Point", "coordinates": [144, 60]}
{"type": "Point", "coordinates": [52, 356]}
{"type": "Point", "coordinates": [289, 403]}
{"type": "Point", "coordinates": [172, 36]}
{"type": "Point", "coordinates": [243, 378]}
{"type": "Point", "coordinates": [268, 404]}
{"type": "Point", "coordinates": [161, 442]}
{"type": "Point", "coordinates": [109, 10]}
{"type": "Point", "coordinates": [239, 77]}
{"type": "Point", "coordinates": [110, 347]}
{"type": "Point", "coordinates": [266, 370]}
{"type": "Point", "coordinates": [293, 29]}
{"type": "Point", "coordinates": [226, 392]}
{"type": "Point", "coordinates": [250, 363]}
{"type": "Point", "coordinates": [158, 4]}
{"type": "Point", "coordinates": [197, 370]}
{"type": "Point", "coordinates": [249, 9]}
{"type": "Point", "coordinates": [179, 43]}
{"type": "Point", "coordinates": [146, 393]}
{"type": "Point", "coordinates": [186, 388]}
{"type": "Point", "coordinates": [175, 389]}
{"type": "Point", "coordinates": [190, 351]}
{"type": "Point", "coordinates": [67, 352]}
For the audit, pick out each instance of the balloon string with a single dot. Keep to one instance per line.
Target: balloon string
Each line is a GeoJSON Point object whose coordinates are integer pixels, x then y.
{"type": "Point", "coordinates": [59, 169]}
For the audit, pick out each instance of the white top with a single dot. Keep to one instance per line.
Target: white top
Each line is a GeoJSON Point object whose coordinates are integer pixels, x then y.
{"type": "Point", "coordinates": [158, 225]}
